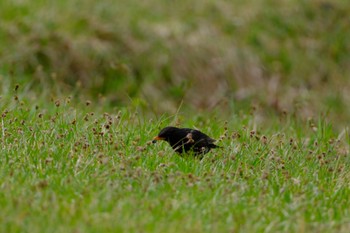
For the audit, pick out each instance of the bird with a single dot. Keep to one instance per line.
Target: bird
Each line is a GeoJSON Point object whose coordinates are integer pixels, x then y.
{"type": "Point", "coordinates": [185, 140]}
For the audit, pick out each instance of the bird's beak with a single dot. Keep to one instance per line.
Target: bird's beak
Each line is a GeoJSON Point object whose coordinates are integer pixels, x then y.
{"type": "Point", "coordinates": [155, 139]}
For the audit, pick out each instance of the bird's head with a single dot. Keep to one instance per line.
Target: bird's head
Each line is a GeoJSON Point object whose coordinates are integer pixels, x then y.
{"type": "Point", "coordinates": [165, 134]}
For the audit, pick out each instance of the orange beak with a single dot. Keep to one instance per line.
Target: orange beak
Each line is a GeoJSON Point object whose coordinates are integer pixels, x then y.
{"type": "Point", "coordinates": [157, 138]}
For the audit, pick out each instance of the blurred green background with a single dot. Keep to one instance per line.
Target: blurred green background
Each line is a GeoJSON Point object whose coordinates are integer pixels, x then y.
{"type": "Point", "coordinates": [276, 56]}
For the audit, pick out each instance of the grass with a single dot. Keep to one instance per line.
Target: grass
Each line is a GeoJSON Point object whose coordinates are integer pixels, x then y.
{"type": "Point", "coordinates": [72, 166]}
{"type": "Point", "coordinates": [283, 55]}
{"type": "Point", "coordinates": [85, 87]}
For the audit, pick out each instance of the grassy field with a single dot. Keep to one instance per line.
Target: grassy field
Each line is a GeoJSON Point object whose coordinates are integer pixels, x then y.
{"type": "Point", "coordinates": [69, 166]}
{"type": "Point", "coordinates": [289, 55]}
{"type": "Point", "coordinates": [85, 87]}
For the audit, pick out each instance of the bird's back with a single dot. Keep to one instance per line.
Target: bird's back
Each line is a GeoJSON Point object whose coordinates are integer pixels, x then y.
{"type": "Point", "coordinates": [191, 139]}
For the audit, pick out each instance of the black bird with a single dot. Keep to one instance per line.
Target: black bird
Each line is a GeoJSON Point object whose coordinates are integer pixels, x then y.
{"type": "Point", "coordinates": [186, 140]}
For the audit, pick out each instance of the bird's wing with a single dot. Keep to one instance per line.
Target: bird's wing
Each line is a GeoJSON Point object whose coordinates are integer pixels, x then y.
{"type": "Point", "coordinates": [200, 137]}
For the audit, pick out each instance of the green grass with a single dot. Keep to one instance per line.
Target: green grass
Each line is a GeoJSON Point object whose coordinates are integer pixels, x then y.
{"type": "Point", "coordinates": [66, 166]}
{"type": "Point", "coordinates": [97, 81]}
{"type": "Point", "coordinates": [283, 55]}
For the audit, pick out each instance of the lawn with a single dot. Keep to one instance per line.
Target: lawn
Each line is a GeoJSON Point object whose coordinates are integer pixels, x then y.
{"type": "Point", "coordinates": [69, 166]}
{"type": "Point", "coordinates": [84, 88]}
